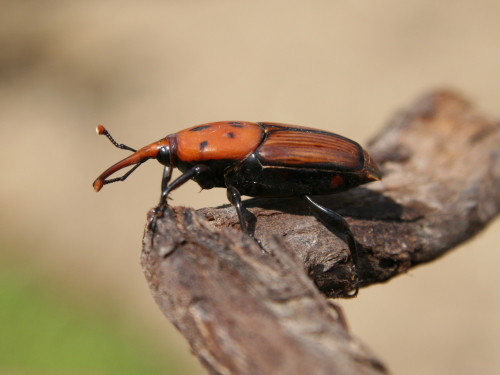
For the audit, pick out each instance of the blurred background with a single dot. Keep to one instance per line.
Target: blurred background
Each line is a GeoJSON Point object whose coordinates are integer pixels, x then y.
{"type": "Point", "coordinates": [73, 299]}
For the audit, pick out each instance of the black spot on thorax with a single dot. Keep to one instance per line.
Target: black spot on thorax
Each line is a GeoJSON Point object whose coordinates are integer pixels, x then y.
{"type": "Point", "coordinates": [203, 145]}
{"type": "Point", "coordinates": [202, 127]}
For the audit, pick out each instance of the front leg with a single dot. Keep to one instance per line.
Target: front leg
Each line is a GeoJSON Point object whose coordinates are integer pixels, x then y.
{"type": "Point", "coordinates": [166, 189]}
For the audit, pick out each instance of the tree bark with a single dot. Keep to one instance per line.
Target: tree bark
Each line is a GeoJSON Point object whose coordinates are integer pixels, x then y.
{"type": "Point", "coordinates": [250, 309]}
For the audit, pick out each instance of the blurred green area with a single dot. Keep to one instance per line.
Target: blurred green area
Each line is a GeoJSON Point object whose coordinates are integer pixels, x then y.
{"type": "Point", "coordinates": [43, 330]}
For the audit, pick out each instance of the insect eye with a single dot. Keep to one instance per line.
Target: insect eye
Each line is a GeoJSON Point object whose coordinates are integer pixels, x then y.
{"type": "Point", "coordinates": [164, 155]}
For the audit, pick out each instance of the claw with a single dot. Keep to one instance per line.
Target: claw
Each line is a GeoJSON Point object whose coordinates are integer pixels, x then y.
{"type": "Point", "coordinates": [159, 213]}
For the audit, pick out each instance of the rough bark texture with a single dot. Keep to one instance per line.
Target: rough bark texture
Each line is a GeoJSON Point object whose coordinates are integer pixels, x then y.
{"type": "Point", "coordinates": [251, 310]}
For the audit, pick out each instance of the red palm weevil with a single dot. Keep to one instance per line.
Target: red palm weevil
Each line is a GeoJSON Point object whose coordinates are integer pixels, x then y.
{"type": "Point", "coordinates": [257, 159]}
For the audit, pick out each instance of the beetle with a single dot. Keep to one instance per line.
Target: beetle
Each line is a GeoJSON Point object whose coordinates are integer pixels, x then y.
{"type": "Point", "coordinates": [257, 159]}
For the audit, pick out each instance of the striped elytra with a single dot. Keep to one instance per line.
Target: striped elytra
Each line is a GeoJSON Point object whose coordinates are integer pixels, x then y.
{"type": "Point", "coordinates": [301, 147]}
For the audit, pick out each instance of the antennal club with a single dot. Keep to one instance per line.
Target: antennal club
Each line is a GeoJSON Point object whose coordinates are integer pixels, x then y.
{"type": "Point", "coordinates": [101, 130]}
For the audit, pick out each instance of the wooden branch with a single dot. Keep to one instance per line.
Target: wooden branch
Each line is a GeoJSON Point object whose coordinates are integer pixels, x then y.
{"type": "Point", "coordinates": [251, 310]}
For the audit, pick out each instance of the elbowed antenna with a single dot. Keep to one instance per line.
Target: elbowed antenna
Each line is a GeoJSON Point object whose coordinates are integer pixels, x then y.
{"type": "Point", "coordinates": [138, 157]}
{"type": "Point", "coordinates": [101, 130]}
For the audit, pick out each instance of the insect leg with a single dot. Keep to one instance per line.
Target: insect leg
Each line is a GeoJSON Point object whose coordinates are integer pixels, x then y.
{"type": "Point", "coordinates": [181, 180]}
{"type": "Point", "coordinates": [167, 175]}
{"type": "Point", "coordinates": [339, 223]}
{"type": "Point", "coordinates": [233, 195]}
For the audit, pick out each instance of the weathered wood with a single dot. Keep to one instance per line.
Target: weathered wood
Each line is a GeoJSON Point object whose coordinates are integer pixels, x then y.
{"type": "Point", "coordinates": [251, 310]}
{"type": "Point", "coordinates": [245, 310]}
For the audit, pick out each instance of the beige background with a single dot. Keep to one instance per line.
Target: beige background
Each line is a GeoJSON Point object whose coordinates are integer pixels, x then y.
{"type": "Point", "coordinates": [147, 69]}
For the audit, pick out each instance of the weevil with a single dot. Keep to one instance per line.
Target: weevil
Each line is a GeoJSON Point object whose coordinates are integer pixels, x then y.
{"type": "Point", "coordinates": [257, 159]}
